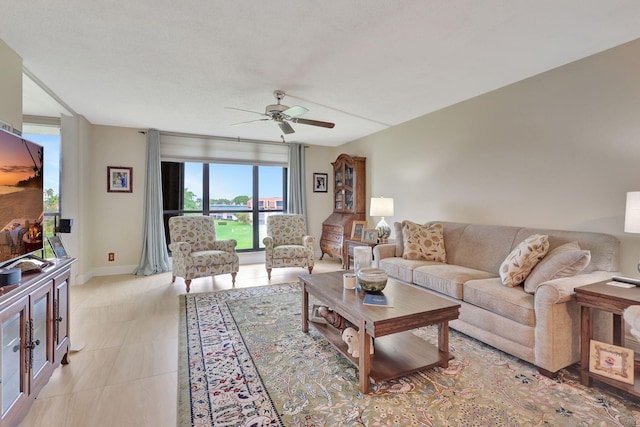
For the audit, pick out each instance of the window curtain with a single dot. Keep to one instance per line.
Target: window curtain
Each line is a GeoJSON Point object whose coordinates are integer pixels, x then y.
{"type": "Point", "coordinates": [155, 256]}
{"type": "Point", "coordinates": [297, 192]}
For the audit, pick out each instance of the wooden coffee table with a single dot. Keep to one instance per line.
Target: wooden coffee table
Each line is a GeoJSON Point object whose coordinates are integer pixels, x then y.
{"type": "Point", "coordinates": [398, 352]}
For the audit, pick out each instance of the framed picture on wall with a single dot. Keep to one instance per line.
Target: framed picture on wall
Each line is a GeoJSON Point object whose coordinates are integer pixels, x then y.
{"type": "Point", "coordinates": [119, 179]}
{"type": "Point", "coordinates": [320, 182]}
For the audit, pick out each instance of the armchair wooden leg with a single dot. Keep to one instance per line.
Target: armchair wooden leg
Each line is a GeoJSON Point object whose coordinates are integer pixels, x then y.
{"type": "Point", "coordinates": [310, 269]}
{"type": "Point", "coordinates": [188, 283]}
{"type": "Point", "coordinates": [173, 279]}
{"type": "Point", "coordinates": [269, 273]}
{"type": "Point", "coordinates": [233, 279]}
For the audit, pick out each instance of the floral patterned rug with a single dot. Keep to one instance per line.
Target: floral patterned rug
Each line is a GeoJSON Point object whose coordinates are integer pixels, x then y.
{"type": "Point", "coordinates": [244, 361]}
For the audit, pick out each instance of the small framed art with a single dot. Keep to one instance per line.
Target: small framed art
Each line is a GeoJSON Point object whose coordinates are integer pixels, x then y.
{"type": "Point", "coordinates": [320, 182]}
{"type": "Point", "coordinates": [611, 361]}
{"type": "Point", "coordinates": [369, 235]}
{"type": "Point", "coordinates": [58, 247]}
{"type": "Point", "coordinates": [357, 228]}
{"type": "Point", "coordinates": [119, 179]}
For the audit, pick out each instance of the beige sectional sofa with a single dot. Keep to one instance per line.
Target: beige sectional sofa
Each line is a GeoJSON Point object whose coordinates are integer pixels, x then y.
{"type": "Point", "coordinates": [542, 328]}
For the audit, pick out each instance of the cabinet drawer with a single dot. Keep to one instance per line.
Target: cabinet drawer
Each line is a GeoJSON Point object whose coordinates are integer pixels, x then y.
{"type": "Point", "coordinates": [331, 229]}
{"type": "Point", "coordinates": [333, 237]}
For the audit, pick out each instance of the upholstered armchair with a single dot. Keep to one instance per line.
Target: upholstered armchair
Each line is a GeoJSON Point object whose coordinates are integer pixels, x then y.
{"type": "Point", "coordinates": [197, 253]}
{"type": "Point", "coordinates": [287, 243]}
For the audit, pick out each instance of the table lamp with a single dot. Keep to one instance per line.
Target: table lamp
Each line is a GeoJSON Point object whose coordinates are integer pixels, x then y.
{"type": "Point", "coordinates": [632, 214]}
{"type": "Point", "coordinates": [382, 207]}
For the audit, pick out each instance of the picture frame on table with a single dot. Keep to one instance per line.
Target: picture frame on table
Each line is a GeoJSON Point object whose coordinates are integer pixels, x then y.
{"type": "Point", "coordinates": [320, 182]}
{"type": "Point", "coordinates": [370, 235]}
{"type": "Point", "coordinates": [611, 361]}
{"type": "Point", "coordinates": [57, 246]}
{"type": "Point", "coordinates": [119, 179]}
{"type": "Point", "coordinates": [357, 228]}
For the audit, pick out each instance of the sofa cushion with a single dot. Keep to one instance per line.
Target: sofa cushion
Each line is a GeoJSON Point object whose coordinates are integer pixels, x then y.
{"type": "Point", "coordinates": [447, 279]}
{"type": "Point", "coordinates": [563, 261]}
{"type": "Point", "coordinates": [479, 246]}
{"type": "Point", "coordinates": [511, 302]}
{"type": "Point", "coordinates": [519, 263]}
{"type": "Point", "coordinates": [402, 269]}
{"type": "Point", "coordinates": [424, 242]}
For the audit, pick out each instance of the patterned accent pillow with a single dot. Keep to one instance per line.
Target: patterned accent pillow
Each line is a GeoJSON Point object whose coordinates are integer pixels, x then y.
{"type": "Point", "coordinates": [564, 261]}
{"type": "Point", "coordinates": [424, 242]}
{"type": "Point", "coordinates": [519, 263]}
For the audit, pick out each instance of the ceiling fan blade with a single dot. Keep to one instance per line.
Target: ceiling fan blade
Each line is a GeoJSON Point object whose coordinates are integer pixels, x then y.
{"type": "Point", "coordinates": [248, 111]}
{"type": "Point", "coordinates": [313, 123]}
{"type": "Point", "coordinates": [286, 128]}
{"type": "Point", "coordinates": [296, 110]}
{"type": "Point", "coordinates": [250, 121]}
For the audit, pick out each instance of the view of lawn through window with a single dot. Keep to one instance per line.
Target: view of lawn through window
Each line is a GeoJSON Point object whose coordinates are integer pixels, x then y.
{"type": "Point", "coordinates": [232, 191]}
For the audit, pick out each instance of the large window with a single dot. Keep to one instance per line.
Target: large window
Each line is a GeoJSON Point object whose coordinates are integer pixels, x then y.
{"type": "Point", "coordinates": [238, 196]}
{"type": "Point", "coordinates": [49, 137]}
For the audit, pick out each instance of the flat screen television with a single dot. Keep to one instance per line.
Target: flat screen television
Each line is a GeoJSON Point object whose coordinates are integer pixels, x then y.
{"type": "Point", "coordinates": [21, 201]}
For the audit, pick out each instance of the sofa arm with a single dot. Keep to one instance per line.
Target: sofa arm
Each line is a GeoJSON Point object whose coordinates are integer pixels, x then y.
{"type": "Point", "coordinates": [559, 291]}
{"type": "Point", "coordinates": [384, 250]}
{"type": "Point", "coordinates": [557, 330]}
{"type": "Point", "coordinates": [182, 248]}
{"type": "Point", "coordinates": [228, 245]}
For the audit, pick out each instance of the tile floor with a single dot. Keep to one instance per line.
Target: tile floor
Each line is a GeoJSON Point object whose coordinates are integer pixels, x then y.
{"type": "Point", "coordinates": [126, 372]}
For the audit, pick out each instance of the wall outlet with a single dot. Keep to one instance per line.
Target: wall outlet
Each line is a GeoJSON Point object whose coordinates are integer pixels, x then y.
{"type": "Point", "coordinates": [112, 256]}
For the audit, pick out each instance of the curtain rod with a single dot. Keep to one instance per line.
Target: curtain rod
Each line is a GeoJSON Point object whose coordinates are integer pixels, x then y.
{"type": "Point", "coordinates": [221, 138]}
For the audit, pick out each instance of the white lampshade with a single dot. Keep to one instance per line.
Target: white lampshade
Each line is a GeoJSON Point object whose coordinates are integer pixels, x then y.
{"type": "Point", "coordinates": [632, 213]}
{"type": "Point", "coordinates": [381, 206]}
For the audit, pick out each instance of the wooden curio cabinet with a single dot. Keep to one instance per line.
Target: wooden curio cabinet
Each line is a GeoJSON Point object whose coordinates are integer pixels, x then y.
{"type": "Point", "coordinates": [349, 205]}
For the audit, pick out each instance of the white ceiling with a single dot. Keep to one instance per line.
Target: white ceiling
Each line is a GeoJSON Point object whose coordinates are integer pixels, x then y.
{"type": "Point", "coordinates": [363, 64]}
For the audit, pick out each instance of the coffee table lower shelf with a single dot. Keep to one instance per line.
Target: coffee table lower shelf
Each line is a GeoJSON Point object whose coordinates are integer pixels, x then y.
{"type": "Point", "coordinates": [394, 355]}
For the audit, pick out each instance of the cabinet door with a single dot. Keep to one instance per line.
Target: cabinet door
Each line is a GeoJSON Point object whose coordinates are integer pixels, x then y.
{"type": "Point", "coordinates": [338, 189]}
{"type": "Point", "coordinates": [41, 334]}
{"type": "Point", "coordinates": [14, 391]}
{"type": "Point", "coordinates": [61, 318]}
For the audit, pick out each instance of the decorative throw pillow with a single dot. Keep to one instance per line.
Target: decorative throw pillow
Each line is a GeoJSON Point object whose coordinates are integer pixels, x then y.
{"type": "Point", "coordinates": [564, 261]}
{"type": "Point", "coordinates": [519, 263]}
{"type": "Point", "coordinates": [423, 241]}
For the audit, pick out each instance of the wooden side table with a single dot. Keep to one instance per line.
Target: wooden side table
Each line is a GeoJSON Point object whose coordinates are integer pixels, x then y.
{"type": "Point", "coordinates": [352, 244]}
{"type": "Point", "coordinates": [613, 299]}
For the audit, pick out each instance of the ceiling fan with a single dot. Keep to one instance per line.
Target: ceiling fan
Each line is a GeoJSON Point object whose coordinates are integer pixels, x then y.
{"type": "Point", "coordinates": [283, 114]}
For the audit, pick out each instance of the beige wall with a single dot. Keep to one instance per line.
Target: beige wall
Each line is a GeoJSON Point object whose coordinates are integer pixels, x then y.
{"type": "Point", "coordinates": [319, 205]}
{"type": "Point", "coordinates": [115, 219]}
{"type": "Point", "coordinates": [558, 150]}
{"type": "Point", "coordinates": [10, 86]}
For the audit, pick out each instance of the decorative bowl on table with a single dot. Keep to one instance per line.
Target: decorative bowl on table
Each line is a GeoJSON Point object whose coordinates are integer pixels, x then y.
{"type": "Point", "coordinates": [372, 279]}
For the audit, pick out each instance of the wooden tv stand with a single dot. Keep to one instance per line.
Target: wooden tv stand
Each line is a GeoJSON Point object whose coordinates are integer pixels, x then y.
{"type": "Point", "coordinates": [34, 335]}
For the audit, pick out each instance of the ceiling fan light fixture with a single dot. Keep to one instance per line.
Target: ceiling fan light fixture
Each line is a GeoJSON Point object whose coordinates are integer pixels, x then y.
{"type": "Point", "coordinates": [282, 114]}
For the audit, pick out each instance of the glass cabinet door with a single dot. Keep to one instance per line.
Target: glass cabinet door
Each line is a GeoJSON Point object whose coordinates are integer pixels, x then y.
{"type": "Point", "coordinates": [14, 324]}
{"type": "Point", "coordinates": [348, 171]}
{"type": "Point", "coordinates": [39, 347]}
{"type": "Point", "coordinates": [39, 317]}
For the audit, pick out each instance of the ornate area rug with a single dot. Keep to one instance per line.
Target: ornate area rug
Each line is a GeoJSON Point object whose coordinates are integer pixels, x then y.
{"type": "Point", "coordinates": [244, 361]}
